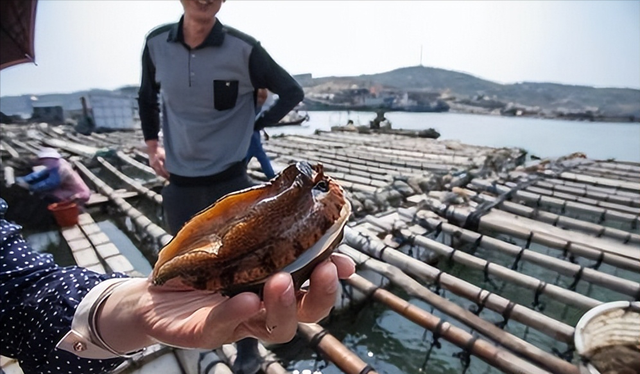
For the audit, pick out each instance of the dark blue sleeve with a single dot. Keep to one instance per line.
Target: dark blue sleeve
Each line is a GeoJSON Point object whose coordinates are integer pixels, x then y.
{"type": "Point", "coordinates": [37, 302]}
{"type": "Point", "coordinates": [51, 182]}
{"type": "Point", "coordinates": [148, 105]}
{"type": "Point", "coordinates": [266, 73]}
{"type": "Point", "coordinates": [36, 176]}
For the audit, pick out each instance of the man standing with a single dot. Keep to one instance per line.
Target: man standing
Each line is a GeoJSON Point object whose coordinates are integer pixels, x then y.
{"type": "Point", "coordinates": [203, 76]}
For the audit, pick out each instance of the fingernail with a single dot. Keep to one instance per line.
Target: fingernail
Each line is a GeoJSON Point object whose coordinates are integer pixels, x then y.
{"type": "Point", "coordinates": [288, 297]}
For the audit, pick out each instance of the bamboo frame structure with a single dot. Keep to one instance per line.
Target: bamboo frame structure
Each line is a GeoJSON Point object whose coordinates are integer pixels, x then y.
{"type": "Point", "coordinates": [561, 221]}
{"type": "Point", "coordinates": [492, 301]}
{"type": "Point", "coordinates": [566, 268]}
{"type": "Point", "coordinates": [500, 358]}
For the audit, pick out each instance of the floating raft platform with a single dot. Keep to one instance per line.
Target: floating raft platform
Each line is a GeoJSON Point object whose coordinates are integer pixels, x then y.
{"type": "Point", "coordinates": [497, 256]}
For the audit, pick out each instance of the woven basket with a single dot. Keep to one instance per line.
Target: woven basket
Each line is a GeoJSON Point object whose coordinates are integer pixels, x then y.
{"type": "Point", "coordinates": [609, 324]}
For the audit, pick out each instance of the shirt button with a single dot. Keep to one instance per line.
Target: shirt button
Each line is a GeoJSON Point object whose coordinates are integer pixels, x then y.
{"type": "Point", "coordinates": [192, 74]}
{"type": "Point", "coordinates": [79, 346]}
{"type": "Point", "coordinates": [193, 55]}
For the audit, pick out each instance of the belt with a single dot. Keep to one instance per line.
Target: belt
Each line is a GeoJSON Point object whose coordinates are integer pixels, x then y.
{"type": "Point", "coordinates": [234, 170]}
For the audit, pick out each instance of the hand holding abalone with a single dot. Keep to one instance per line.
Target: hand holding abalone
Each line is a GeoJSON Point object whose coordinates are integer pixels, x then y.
{"type": "Point", "coordinates": [287, 224]}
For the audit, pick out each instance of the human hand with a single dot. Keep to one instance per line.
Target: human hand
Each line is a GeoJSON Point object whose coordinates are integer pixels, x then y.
{"type": "Point", "coordinates": [156, 161]}
{"type": "Point", "coordinates": [140, 313]}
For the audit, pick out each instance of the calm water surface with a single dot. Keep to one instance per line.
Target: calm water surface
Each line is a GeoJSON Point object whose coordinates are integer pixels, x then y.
{"type": "Point", "coordinates": [540, 137]}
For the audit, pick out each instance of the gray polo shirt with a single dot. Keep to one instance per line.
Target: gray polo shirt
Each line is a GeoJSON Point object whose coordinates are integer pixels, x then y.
{"type": "Point", "coordinates": [207, 96]}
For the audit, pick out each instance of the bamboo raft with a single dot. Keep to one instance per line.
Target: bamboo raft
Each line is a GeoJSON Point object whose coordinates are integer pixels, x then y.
{"type": "Point", "coordinates": [445, 234]}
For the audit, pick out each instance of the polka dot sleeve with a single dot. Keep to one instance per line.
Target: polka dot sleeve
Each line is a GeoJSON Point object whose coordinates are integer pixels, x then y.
{"type": "Point", "coordinates": [37, 303]}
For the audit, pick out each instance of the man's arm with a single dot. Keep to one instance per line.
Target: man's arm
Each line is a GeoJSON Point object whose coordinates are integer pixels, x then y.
{"type": "Point", "coordinates": [266, 73]}
{"type": "Point", "coordinates": [148, 98]}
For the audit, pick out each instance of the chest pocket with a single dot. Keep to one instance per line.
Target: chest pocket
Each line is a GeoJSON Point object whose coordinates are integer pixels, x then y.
{"type": "Point", "coordinates": [225, 94]}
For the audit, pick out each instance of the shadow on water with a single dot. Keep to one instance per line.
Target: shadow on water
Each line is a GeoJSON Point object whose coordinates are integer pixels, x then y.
{"type": "Point", "coordinates": [52, 242]}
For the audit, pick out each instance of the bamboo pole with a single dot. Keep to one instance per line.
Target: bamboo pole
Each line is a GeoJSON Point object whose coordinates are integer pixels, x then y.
{"type": "Point", "coordinates": [566, 268]}
{"type": "Point", "coordinates": [228, 353]}
{"type": "Point", "coordinates": [584, 200]}
{"type": "Point", "coordinates": [591, 188]}
{"type": "Point", "coordinates": [635, 167]}
{"type": "Point", "coordinates": [9, 176]}
{"type": "Point", "coordinates": [565, 222]}
{"type": "Point", "coordinates": [538, 200]}
{"type": "Point", "coordinates": [588, 247]}
{"type": "Point", "coordinates": [622, 200]}
{"type": "Point", "coordinates": [138, 165]}
{"type": "Point", "coordinates": [492, 301]}
{"type": "Point", "coordinates": [498, 357]}
{"type": "Point", "coordinates": [160, 236]}
{"type": "Point", "coordinates": [608, 173]}
{"type": "Point", "coordinates": [354, 159]}
{"type": "Point", "coordinates": [25, 146]}
{"type": "Point", "coordinates": [359, 153]}
{"type": "Point", "coordinates": [144, 191]}
{"type": "Point", "coordinates": [629, 186]}
{"type": "Point", "coordinates": [9, 149]}
{"type": "Point", "coordinates": [333, 350]}
{"type": "Point", "coordinates": [504, 273]}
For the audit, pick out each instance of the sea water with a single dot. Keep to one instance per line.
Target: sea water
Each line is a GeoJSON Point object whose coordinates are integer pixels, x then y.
{"type": "Point", "coordinates": [540, 137]}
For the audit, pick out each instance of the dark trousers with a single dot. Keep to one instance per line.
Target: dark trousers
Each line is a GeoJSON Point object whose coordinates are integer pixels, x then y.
{"type": "Point", "coordinates": [182, 202]}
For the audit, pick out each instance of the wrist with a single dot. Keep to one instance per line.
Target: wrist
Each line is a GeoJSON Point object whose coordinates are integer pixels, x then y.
{"type": "Point", "coordinates": [152, 146]}
{"type": "Point", "coordinates": [119, 321]}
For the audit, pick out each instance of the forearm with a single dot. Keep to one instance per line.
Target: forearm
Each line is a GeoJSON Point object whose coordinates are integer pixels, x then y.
{"type": "Point", "coordinates": [51, 182]}
{"type": "Point", "coordinates": [152, 146]}
{"type": "Point", "coordinates": [118, 320]}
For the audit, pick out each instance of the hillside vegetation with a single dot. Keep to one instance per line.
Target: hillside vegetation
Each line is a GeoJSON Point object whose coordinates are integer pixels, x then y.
{"type": "Point", "coordinates": [464, 90]}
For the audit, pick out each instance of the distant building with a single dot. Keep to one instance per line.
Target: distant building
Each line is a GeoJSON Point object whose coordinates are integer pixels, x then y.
{"type": "Point", "coordinates": [112, 111]}
{"type": "Point", "coordinates": [49, 112]}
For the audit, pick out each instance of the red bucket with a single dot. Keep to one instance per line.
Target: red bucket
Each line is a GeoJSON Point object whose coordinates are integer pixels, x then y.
{"type": "Point", "coordinates": [65, 213]}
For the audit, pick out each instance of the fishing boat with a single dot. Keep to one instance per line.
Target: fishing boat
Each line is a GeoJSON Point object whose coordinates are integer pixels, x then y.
{"type": "Point", "coordinates": [294, 118]}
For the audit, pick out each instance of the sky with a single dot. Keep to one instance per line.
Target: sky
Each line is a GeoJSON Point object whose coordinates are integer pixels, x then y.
{"type": "Point", "coordinates": [86, 44]}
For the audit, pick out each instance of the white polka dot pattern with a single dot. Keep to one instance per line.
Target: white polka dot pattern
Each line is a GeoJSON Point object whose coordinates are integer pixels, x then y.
{"type": "Point", "coordinates": [37, 302]}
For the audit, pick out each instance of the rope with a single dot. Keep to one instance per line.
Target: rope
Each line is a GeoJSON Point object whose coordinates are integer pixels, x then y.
{"type": "Point", "coordinates": [438, 230]}
{"type": "Point", "coordinates": [602, 217]}
{"type": "Point", "coordinates": [315, 340]}
{"type": "Point", "coordinates": [577, 277]}
{"type": "Point", "coordinates": [479, 307]}
{"type": "Point", "coordinates": [529, 240]}
{"type": "Point", "coordinates": [450, 256]}
{"type": "Point", "coordinates": [537, 305]}
{"type": "Point", "coordinates": [366, 369]}
{"type": "Point", "coordinates": [465, 354]}
{"type": "Point", "coordinates": [473, 219]}
{"type": "Point", "coordinates": [514, 266]}
{"type": "Point", "coordinates": [598, 262]}
{"type": "Point", "coordinates": [567, 355]}
{"type": "Point", "coordinates": [565, 252]}
{"type": "Point", "coordinates": [506, 314]}
{"type": "Point", "coordinates": [486, 275]}
{"type": "Point", "coordinates": [435, 287]}
{"type": "Point", "coordinates": [476, 244]}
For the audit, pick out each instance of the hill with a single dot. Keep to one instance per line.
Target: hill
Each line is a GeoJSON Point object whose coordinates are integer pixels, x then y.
{"type": "Point", "coordinates": [465, 92]}
{"type": "Point", "coordinates": [423, 88]}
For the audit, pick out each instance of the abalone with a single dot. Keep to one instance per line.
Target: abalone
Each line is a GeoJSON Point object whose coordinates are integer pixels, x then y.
{"type": "Point", "coordinates": [290, 223]}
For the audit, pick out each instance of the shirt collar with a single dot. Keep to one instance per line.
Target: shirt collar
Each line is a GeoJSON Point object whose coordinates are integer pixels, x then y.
{"type": "Point", "coordinates": [214, 39]}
